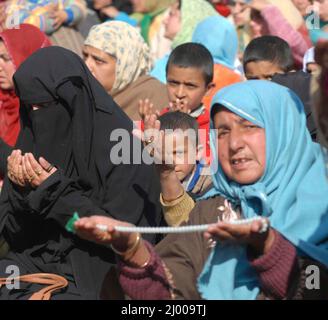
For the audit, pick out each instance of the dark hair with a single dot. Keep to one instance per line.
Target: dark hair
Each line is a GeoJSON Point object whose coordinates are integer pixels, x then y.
{"type": "Point", "coordinates": [178, 120]}
{"type": "Point", "coordinates": [272, 49]}
{"type": "Point", "coordinates": [192, 55]}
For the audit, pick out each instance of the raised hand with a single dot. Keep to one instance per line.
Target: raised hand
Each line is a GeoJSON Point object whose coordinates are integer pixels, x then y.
{"type": "Point", "coordinates": [180, 105]}
{"type": "Point", "coordinates": [146, 108]}
{"type": "Point", "coordinates": [35, 172]}
{"type": "Point", "coordinates": [15, 169]}
{"type": "Point", "coordinates": [59, 17]}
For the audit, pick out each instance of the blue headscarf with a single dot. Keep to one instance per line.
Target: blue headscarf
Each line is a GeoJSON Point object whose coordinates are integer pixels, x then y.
{"type": "Point", "coordinates": [219, 36]}
{"type": "Point", "coordinates": [292, 192]}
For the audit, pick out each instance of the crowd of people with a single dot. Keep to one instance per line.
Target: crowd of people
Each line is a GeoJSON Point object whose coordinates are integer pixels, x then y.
{"type": "Point", "coordinates": [164, 113]}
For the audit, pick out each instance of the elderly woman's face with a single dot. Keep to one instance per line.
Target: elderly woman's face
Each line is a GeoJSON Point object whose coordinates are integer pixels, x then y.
{"type": "Point", "coordinates": [101, 65]}
{"type": "Point", "coordinates": [7, 68]}
{"type": "Point", "coordinates": [241, 147]}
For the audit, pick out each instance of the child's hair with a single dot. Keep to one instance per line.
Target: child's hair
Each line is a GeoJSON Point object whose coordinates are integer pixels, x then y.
{"type": "Point", "coordinates": [272, 49]}
{"type": "Point", "coordinates": [192, 55]}
{"type": "Point", "coordinates": [179, 120]}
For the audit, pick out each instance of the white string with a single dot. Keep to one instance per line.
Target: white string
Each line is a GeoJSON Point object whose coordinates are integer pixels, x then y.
{"type": "Point", "coordinates": [183, 229]}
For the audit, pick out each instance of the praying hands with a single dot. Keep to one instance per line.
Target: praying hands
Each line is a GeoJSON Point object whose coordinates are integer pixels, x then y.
{"type": "Point", "coordinates": [25, 170]}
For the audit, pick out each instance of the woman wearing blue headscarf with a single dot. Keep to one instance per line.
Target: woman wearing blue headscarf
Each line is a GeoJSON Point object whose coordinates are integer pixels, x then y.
{"type": "Point", "coordinates": [222, 42]}
{"type": "Point", "coordinates": [264, 165]}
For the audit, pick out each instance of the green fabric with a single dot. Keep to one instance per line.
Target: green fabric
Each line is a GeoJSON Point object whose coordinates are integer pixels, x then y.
{"type": "Point", "coordinates": [145, 25]}
{"type": "Point", "coordinates": [154, 8]}
{"type": "Point", "coordinates": [192, 12]}
{"type": "Point", "coordinates": [70, 224]}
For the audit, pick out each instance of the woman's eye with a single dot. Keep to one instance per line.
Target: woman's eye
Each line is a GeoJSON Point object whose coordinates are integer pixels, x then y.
{"type": "Point", "coordinates": [222, 134]}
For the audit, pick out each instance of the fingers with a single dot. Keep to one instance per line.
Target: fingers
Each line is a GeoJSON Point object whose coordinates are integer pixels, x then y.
{"type": "Point", "coordinates": [240, 233]}
{"type": "Point", "coordinates": [29, 173]}
{"type": "Point", "coordinates": [145, 108]}
{"type": "Point", "coordinates": [217, 232]}
{"type": "Point", "coordinates": [47, 166]}
{"type": "Point", "coordinates": [34, 173]}
{"type": "Point", "coordinates": [15, 172]}
{"type": "Point", "coordinates": [180, 105]}
{"type": "Point", "coordinates": [138, 134]}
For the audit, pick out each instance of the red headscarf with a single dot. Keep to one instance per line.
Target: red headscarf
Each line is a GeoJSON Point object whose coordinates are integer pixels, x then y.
{"type": "Point", "coordinates": [20, 43]}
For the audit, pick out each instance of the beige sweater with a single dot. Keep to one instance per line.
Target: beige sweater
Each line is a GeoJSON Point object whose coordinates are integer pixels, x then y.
{"type": "Point", "coordinates": [146, 87]}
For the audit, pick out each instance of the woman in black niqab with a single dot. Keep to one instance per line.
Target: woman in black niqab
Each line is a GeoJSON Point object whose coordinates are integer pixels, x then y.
{"type": "Point", "coordinates": [70, 129]}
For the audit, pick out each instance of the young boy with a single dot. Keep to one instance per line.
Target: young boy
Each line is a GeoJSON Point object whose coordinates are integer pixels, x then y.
{"type": "Point", "coordinates": [181, 168]}
{"type": "Point", "coordinates": [189, 76]}
{"type": "Point", "coordinates": [266, 56]}
{"type": "Point", "coordinates": [270, 58]}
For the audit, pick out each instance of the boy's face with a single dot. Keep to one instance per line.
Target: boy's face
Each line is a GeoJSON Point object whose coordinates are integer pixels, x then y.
{"type": "Point", "coordinates": [262, 70]}
{"type": "Point", "coordinates": [183, 151]}
{"type": "Point", "coordinates": [187, 86]}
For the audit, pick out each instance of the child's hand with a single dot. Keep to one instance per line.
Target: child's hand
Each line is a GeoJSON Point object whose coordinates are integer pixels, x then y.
{"type": "Point", "coordinates": [180, 105]}
{"type": "Point", "coordinates": [146, 109]}
{"type": "Point", "coordinates": [59, 17]}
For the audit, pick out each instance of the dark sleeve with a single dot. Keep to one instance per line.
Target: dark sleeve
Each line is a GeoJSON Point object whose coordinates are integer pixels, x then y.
{"type": "Point", "coordinates": [124, 198]}
{"type": "Point", "coordinates": [5, 151]}
{"type": "Point", "coordinates": [282, 272]}
{"type": "Point", "coordinates": [148, 283]}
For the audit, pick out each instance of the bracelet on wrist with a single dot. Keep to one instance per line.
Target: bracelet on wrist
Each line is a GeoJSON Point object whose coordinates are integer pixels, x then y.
{"type": "Point", "coordinates": [130, 251]}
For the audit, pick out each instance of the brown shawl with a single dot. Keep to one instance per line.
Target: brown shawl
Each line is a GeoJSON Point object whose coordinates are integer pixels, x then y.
{"type": "Point", "coordinates": [146, 87]}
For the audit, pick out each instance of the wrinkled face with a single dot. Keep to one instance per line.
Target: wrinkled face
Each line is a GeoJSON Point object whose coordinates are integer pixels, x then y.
{"type": "Point", "coordinates": [262, 70]}
{"type": "Point", "coordinates": [183, 152]}
{"type": "Point", "coordinates": [241, 147]}
{"type": "Point", "coordinates": [101, 65]}
{"type": "Point", "coordinates": [139, 6]}
{"type": "Point", "coordinates": [172, 22]}
{"type": "Point", "coordinates": [240, 12]}
{"type": "Point", "coordinates": [7, 68]}
{"type": "Point", "coordinates": [187, 85]}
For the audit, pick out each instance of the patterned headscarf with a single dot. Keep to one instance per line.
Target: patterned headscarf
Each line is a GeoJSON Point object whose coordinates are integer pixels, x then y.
{"type": "Point", "coordinates": [126, 45]}
{"type": "Point", "coordinates": [192, 13]}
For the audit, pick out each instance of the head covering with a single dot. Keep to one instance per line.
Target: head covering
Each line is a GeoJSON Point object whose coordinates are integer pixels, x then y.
{"type": "Point", "coordinates": [222, 41]}
{"type": "Point", "coordinates": [154, 6]}
{"type": "Point", "coordinates": [126, 45]}
{"type": "Point", "coordinates": [153, 9]}
{"type": "Point", "coordinates": [192, 12]}
{"type": "Point", "coordinates": [20, 44]}
{"type": "Point", "coordinates": [292, 192]}
{"type": "Point", "coordinates": [308, 58]}
{"type": "Point", "coordinates": [72, 130]}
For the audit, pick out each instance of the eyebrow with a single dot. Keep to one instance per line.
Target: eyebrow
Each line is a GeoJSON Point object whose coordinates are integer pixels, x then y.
{"type": "Point", "coordinates": [5, 56]}
{"type": "Point", "coordinates": [240, 121]}
{"type": "Point", "coordinates": [184, 82]}
{"type": "Point", "coordinates": [93, 56]}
